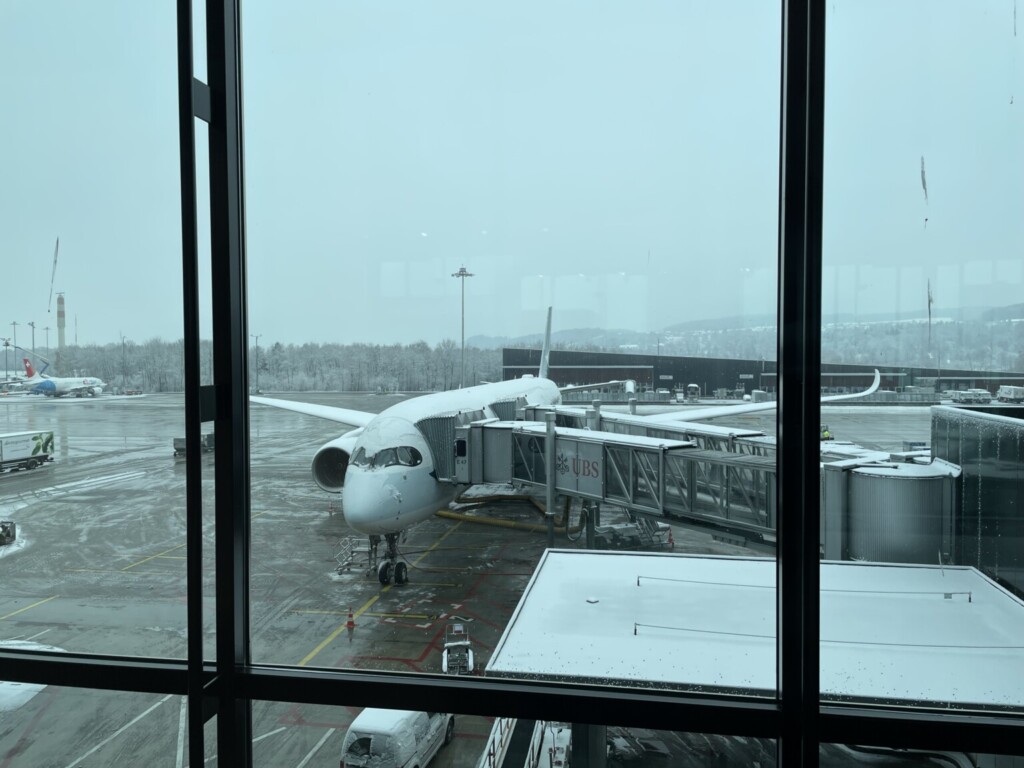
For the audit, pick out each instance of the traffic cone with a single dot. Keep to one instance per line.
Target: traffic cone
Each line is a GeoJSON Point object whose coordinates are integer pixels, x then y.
{"type": "Point", "coordinates": [351, 623]}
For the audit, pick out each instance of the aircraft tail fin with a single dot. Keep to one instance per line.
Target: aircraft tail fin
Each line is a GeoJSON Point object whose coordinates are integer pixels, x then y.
{"type": "Point", "coordinates": [28, 368]}
{"type": "Point", "coordinates": [546, 351]}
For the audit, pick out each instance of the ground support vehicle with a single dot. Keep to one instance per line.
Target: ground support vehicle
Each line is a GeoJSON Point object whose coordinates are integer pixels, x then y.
{"type": "Point", "coordinates": [8, 532]}
{"type": "Point", "coordinates": [395, 738]}
{"type": "Point", "coordinates": [205, 444]}
{"type": "Point", "coordinates": [25, 450]}
{"type": "Point", "coordinates": [457, 655]}
{"type": "Point", "coordinates": [1010, 394]}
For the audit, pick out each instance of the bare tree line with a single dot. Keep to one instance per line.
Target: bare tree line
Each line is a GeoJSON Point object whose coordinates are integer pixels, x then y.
{"type": "Point", "coordinates": [158, 366]}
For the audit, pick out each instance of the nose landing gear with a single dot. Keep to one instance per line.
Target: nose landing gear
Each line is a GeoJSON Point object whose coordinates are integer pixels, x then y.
{"type": "Point", "coordinates": [391, 567]}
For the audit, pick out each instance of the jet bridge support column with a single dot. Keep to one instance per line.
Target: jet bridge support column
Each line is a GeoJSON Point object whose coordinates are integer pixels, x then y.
{"type": "Point", "coordinates": [589, 745]}
{"type": "Point", "coordinates": [549, 490]}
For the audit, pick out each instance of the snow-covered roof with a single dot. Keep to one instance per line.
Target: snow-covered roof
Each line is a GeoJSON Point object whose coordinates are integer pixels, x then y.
{"type": "Point", "coordinates": [889, 632]}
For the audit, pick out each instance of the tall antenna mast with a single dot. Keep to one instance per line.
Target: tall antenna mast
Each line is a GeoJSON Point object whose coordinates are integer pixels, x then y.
{"type": "Point", "coordinates": [53, 274]}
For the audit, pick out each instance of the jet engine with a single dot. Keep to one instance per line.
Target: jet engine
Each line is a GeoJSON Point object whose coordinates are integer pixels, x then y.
{"type": "Point", "coordinates": [331, 462]}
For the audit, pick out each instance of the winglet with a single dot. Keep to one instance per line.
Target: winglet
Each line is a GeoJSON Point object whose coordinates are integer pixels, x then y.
{"type": "Point", "coordinates": [869, 391]}
{"type": "Point", "coordinates": [546, 351]}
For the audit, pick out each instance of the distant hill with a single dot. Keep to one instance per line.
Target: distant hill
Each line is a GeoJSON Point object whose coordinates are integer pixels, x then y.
{"type": "Point", "coordinates": [995, 314]}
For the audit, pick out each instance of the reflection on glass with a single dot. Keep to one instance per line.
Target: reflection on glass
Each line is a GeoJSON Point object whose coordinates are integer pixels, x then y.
{"type": "Point", "coordinates": [352, 736]}
{"type": "Point", "coordinates": [922, 280]}
{"type": "Point", "coordinates": [92, 328]}
{"type": "Point", "coordinates": [618, 166]}
{"type": "Point", "coordinates": [842, 755]}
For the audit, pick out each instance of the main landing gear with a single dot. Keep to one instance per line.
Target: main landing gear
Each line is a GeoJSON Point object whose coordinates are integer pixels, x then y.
{"type": "Point", "coordinates": [391, 567]}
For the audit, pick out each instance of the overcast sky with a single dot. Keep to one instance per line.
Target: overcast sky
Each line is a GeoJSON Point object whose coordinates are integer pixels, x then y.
{"type": "Point", "coordinates": [619, 160]}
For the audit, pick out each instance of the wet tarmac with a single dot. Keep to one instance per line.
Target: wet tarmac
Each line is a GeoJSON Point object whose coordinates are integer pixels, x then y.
{"type": "Point", "coordinates": [99, 568]}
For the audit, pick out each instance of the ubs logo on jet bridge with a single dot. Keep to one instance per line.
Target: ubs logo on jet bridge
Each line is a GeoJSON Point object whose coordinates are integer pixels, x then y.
{"type": "Point", "coordinates": [578, 467]}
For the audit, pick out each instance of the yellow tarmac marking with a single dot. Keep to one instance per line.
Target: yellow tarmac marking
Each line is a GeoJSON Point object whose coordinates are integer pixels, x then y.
{"type": "Point", "coordinates": [27, 607]}
{"type": "Point", "coordinates": [366, 606]}
{"type": "Point", "coordinates": [114, 570]}
{"type": "Point", "coordinates": [341, 628]}
{"type": "Point", "coordinates": [437, 543]}
{"type": "Point", "coordinates": [152, 557]}
{"type": "Point", "coordinates": [454, 568]}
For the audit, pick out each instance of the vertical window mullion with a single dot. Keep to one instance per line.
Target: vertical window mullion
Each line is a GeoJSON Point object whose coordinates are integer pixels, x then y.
{"type": "Point", "coordinates": [799, 376]}
{"type": "Point", "coordinates": [234, 723]}
{"type": "Point", "coordinates": [193, 417]}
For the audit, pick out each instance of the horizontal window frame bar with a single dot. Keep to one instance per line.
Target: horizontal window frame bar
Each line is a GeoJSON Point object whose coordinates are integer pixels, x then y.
{"type": "Point", "coordinates": [109, 673]}
{"type": "Point", "coordinates": [496, 697]}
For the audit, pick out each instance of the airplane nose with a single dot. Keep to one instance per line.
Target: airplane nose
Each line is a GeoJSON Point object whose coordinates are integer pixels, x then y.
{"type": "Point", "coordinates": [370, 504]}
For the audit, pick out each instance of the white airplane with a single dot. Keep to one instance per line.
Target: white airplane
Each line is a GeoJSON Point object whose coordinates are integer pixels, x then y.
{"type": "Point", "coordinates": [386, 466]}
{"type": "Point", "coordinates": [51, 386]}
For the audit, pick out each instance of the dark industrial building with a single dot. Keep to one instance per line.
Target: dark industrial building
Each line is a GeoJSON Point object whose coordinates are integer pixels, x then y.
{"type": "Point", "coordinates": [569, 367]}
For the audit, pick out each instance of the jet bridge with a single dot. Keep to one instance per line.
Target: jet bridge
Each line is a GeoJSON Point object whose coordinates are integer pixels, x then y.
{"type": "Point", "coordinates": [731, 494]}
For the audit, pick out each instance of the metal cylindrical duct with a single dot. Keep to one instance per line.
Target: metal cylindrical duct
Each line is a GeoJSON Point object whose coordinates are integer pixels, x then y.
{"type": "Point", "coordinates": [900, 513]}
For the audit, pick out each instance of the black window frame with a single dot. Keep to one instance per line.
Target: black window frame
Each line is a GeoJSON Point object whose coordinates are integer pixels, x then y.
{"type": "Point", "coordinates": [225, 686]}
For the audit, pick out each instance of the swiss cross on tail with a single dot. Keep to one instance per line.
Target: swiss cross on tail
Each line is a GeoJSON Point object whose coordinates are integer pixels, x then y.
{"type": "Point", "coordinates": [28, 368]}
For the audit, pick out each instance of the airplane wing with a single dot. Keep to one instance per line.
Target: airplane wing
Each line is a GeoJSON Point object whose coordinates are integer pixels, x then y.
{"type": "Point", "coordinates": [700, 414]}
{"type": "Point", "coordinates": [341, 415]}
{"type": "Point", "coordinates": [598, 385]}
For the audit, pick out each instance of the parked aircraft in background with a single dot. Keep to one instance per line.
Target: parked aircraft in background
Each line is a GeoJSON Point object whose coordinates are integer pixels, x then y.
{"type": "Point", "coordinates": [387, 469]}
{"type": "Point", "coordinates": [52, 386]}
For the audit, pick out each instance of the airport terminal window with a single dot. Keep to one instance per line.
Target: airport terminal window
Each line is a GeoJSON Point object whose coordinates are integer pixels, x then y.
{"type": "Point", "coordinates": [921, 221]}
{"type": "Point", "coordinates": [583, 164]}
{"type": "Point", "coordinates": [92, 421]}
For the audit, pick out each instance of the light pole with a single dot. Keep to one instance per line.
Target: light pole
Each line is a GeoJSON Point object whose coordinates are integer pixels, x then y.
{"type": "Point", "coordinates": [257, 337]}
{"type": "Point", "coordinates": [47, 329]}
{"type": "Point", "coordinates": [7, 368]}
{"type": "Point", "coordinates": [32, 325]}
{"type": "Point", "coordinates": [14, 325]}
{"type": "Point", "coordinates": [462, 274]}
{"type": "Point", "coordinates": [124, 368]}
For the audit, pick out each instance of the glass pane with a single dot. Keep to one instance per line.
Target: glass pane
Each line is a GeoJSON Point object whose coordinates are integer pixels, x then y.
{"type": "Point", "coordinates": [921, 487]}
{"type": "Point", "coordinates": [415, 203]}
{"type": "Point", "coordinates": [93, 327]}
{"type": "Point", "coordinates": [49, 725]}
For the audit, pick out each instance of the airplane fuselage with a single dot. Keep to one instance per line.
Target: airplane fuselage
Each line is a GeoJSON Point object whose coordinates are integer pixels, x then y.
{"type": "Point", "coordinates": [51, 387]}
{"type": "Point", "coordinates": [391, 482]}
{"type": "Point", "coordinates": [58, 386]}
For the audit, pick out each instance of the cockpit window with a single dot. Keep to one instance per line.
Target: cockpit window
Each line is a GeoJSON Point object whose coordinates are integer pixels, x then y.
{"type": "Point", "coordinates": [409, 456]}
{"type": "Point", "coordinates": [385, 458]}
{"type": "Point", "coordinates": [359, 458]}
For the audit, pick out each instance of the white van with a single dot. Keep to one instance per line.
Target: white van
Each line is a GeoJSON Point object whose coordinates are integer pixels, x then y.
{"type": "Point", "coordinates": [395, 738]}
